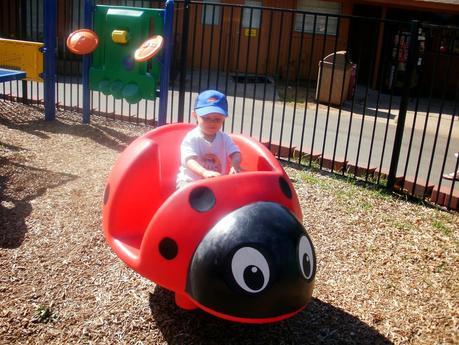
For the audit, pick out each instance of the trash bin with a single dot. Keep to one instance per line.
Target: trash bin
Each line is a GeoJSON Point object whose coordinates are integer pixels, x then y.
{"type": "Point", "coordinates": [342, 70]}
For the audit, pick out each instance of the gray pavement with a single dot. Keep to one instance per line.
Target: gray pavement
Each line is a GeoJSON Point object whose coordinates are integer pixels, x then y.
{"type": "Point", "coordinates": [363, 131]}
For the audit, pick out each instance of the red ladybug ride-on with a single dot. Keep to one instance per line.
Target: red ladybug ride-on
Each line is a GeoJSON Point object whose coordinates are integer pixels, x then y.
{"type": "Point", "coordinates": [232, 245]}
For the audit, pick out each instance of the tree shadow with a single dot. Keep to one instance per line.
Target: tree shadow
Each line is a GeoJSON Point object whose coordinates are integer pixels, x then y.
{"type": "Point", "coordinates": [384, 105]}
{"type": "Point", "coordinates": [19, 185]}
{"type": "Point", "coordinates": [10, 147]}
{"type": "Point", "coordinates": [319, 323]}
{"type": "Point", "coordinates": [35, 125]}
{"type": "Point", "coordinates": [375, 111]}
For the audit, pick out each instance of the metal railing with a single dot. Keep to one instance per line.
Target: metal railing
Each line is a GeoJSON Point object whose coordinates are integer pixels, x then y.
{"type": "Point", "coordinates": [386, 114]}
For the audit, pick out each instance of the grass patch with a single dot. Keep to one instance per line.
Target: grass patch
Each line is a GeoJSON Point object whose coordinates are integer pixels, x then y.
{"type": "Point", "coordinates": [367, 206]}
{"type": "Point", "coordinates": [366, 194]}
{"type": "Point", "coordinates": [441, 226]}
{"type": "Point", "coordinates": [402, 225]}
{"type": "Point", "coordinates": [44, 314]}
{"type": "Point", "coordinates": [313, 179]}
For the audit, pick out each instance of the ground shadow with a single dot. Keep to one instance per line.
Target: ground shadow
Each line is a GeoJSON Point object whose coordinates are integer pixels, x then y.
{"type": "Point", "coordinates": [19, 185]}
{"type": "Point", "coordinates": [358, 107]}
{"type": "Point", "coordinates": [320, 323]}
{"type": "Point", "coordinates": [375, 103]}
{"type": "Point", "coordinates": [99, 133]}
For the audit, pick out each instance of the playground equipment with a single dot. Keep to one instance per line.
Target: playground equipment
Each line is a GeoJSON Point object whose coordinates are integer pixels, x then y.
{"type": "Point", "coordinates": [9, 75]}
{"type": "Point", "coordinates": [22, 56]}
{"type": "Point", "coordinates": [125, 60]}
{"type": "Point", "coordinates": [34, 61]}
{"type": "Point", "coordinates": [24, 60]}
{"type": "Point", "coordinates": [232, 245]}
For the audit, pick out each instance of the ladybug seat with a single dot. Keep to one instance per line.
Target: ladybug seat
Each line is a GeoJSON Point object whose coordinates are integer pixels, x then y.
{"type": "Point", "coordinates": [141, 201]}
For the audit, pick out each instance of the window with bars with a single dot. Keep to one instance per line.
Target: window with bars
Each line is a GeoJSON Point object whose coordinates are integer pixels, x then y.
{"type": "Point", "coordinates": [251, 17]}
{"type": "Point", "coordinates": [211, 13]}
{"type": "Point", "coordinates": [320, 24]}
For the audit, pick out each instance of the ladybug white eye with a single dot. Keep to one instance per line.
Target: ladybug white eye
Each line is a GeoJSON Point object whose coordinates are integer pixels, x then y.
{"type": "Point", "coordinates": [306, 257]}
{"type": "Point", "coordinates": [250, 269]}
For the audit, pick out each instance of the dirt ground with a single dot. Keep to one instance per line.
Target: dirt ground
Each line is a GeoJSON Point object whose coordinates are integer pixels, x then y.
{"type": "Point", "coordinates": [388, 269]}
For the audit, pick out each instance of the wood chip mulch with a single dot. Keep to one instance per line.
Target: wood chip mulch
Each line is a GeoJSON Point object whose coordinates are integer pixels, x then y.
{"type": "Point", "coordinates": [388, 269]}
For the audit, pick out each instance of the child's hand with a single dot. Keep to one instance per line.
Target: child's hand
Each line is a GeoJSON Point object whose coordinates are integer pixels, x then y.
{"type": "Point", "coordinates": [234, 170]}
{"type": "Point", "coordinates": [235, 163]}
{"type": "Point", "coordinates": [210, 173]}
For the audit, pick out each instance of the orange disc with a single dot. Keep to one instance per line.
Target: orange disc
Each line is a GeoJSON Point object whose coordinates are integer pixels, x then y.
{"type": "Point", "coordinates": [149, 48]}
{"type": "Point", "coordinates": [83, 41]}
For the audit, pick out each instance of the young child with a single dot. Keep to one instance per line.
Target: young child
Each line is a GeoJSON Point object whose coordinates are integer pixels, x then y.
{"type": "Point", "coordinates": [206, 151]}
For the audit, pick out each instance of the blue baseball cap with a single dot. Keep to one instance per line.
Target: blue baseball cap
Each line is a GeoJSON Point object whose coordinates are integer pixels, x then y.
{"type": "Point", "coordinates": [211, 101]}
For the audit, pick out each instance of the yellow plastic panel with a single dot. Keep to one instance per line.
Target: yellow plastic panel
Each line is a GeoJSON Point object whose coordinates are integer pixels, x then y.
{"type": "Point", "coordinates": [22, 55]}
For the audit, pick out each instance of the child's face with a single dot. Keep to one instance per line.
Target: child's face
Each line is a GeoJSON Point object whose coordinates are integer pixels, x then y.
{"type": "Point", "coordinates": [211, 123]}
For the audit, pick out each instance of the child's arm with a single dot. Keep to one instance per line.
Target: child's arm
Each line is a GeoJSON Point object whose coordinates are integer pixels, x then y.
{"type": "Point", "coordinates": [235, 162]}
{"type": "Point", "coordinates": [193, 164]}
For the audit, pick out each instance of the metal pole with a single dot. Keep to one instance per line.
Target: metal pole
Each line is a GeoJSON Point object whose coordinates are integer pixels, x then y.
{"type": "Point", "coordinates": [49, 50]}
{"type": "Point", "coordinates": [166, 62]}
{"type": "Point", "coordinates": [183, 54]}
{"type": "Point", "coordinates": [88, 7]}
{"type": "Point", "coordinates": [411, 63]}
{"type": "Point", "coordinates": [23, 7]}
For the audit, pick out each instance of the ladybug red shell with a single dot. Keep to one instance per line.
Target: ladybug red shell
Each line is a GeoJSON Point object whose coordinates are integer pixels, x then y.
{"type": "Point", "coordinates": [232, 245]}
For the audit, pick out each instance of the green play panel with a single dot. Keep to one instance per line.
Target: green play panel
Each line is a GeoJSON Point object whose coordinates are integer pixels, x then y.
{"type": "Point", "coordinates": [121, 31]}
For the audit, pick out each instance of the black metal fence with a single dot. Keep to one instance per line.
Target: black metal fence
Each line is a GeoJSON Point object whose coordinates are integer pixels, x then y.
{"type": "Point", "coordinates": [364, 97]}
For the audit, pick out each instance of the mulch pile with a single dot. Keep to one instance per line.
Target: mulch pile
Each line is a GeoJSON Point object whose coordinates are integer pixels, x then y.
{"type": "Point", "coordinates": [387, 268]}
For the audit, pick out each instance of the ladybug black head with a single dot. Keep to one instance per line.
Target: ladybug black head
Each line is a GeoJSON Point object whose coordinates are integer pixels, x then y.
{"type": "Point", "coordinates": [255, 263]}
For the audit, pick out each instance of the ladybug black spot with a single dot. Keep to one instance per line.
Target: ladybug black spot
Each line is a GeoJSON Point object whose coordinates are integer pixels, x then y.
{"type": "Point", "coordinates": [106, 193]}
{"type": "Point", "coordinates": [202, 199]}
{"type": "Point", "coordinates": [168, 248]}
{"type": "Point", "coordinates": [285, 188]}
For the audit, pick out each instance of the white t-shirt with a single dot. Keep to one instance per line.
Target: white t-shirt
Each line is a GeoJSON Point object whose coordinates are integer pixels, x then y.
{"type": "Point", "coordinates": [211, 155]}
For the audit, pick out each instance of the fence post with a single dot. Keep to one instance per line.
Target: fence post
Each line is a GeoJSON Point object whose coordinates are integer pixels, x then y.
{"type": "Point", "coordinates": [410, 66]}
{"type": "Point", "coordinates": [183, 54]}
{"type": "Point", "coordinates": [166, 62]}
{"type": "Point", "coordinates": [23, 36]}
{"type": "Point", "coordinates": [49, 49]}
{"type": "Point", "coordinates": [88, 9]}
